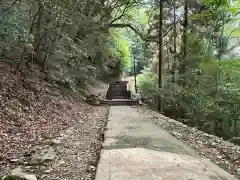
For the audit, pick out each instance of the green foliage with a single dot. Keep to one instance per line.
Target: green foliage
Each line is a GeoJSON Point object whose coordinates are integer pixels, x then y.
{"type": "Point", "coordinates": [139, 48]}
{"type": "Point", "coordinates": [147, 82]}
{"type": "Point", "coordinates": [125, 54]}
{"type": "Point", "coordinates": [197, 103]}
{"type": "Point", "coordinates": [216, 2]}
{"type": "Point", "coordinates": [70, 40]}
{"type": "Point", "coordinates": [201, 89]}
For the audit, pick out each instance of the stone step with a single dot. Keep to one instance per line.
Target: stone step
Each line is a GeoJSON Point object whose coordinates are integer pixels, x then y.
{"type": "Point", "coordinates": [119, 97]}
{"type": "Point", "coordinates": [119, 85]}
{"type": "Point", "coordinates": [123, 93]}
{"type": "Point", "coordinates": [120, 102]}
{"type": "Point", "coordinates": [117, 89]}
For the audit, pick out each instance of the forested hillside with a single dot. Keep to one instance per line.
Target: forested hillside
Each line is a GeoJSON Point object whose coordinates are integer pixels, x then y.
{"type": "Point", "coordinates": [198, 81]}
{"type": "Point", "coordinates": [74, 41]}
{"type": "Point", "coordinates": [54, 54]}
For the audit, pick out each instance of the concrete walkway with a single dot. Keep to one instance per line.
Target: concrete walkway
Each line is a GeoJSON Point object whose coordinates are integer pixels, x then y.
{"type": "Point", "coordinates": [136, 149]}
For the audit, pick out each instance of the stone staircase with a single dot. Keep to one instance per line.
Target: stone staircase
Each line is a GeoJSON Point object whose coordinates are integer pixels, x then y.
{"type": "Point", "coordinates": [118, 90]}
{"type": "Point", "coordinates": [118, 94]}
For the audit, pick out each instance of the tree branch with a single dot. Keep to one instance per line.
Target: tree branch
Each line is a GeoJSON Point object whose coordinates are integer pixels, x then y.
{"type": "Point", "coordinates": [216, 28]}
{"type": "Point", "coordinates": [147, 37]}
{"type": "Point", "coordinates": [127, 25]}
{"type": "Point", "coordinates": [122, 14]}
{"type": "Point", "coordinates": [12, 4]}
{"type": "Point", "coordinates": [172, 26]}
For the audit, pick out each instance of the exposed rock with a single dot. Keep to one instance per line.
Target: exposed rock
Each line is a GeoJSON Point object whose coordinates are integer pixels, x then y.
{"type": "Point", "coordinates": [56, 142]}
{"type": "Point", "coordinates": [60, 162]}
{"type": "Point", "coordinates": [14, 160]}
{"type": "Point", "coordinates": [18, 174]}
{"type": "Point", "coordinates": [92, 168]}
{"type": "Point", "coordinates": [13, 177]}
{"type": "Point", "coordinates": [30, 177]}
{"type": "Point", "coordinates": [53, 142]}
{"type": "Point", "coordinates": [48, 170]}
{"type": "Point", "coordinates": [44, 156]}
{"type": "Point", "coordinates": [93, 99]}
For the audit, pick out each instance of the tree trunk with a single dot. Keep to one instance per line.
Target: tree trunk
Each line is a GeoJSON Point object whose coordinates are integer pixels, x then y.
{"type": "Point", "coordinates": [183, 64]}
{"type": "Point", "coordinates": [160, 63]}
{"type": "Point", "coordinates": [218, 72]}
{"type": "Point", "coordinates": [185, 29]}
{"type": "Point", "coordinates": [175, 66]}
{"type": "Point", "coordinates": [39, 54]}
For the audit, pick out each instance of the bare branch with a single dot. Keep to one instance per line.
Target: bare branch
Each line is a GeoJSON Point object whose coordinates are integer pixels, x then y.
{"type": "Point", "coordinates": [122, 14]}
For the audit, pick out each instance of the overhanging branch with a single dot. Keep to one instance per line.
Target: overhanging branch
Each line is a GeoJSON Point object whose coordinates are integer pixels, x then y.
{"type": "Point", "coordinates": [127, 25]}
{"type": "Point", "coordinates": [146, 37]}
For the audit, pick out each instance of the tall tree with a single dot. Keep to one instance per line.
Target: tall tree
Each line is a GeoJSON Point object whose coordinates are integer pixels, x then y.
{"type": "Point", "coordinates": [174, 67]}
{"type": "Point", "coordinates": [160, 50]}
{"type": "Point", "coordinates": [183, 62]}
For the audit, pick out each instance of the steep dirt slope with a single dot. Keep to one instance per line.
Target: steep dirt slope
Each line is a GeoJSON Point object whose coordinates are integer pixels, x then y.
{"type": "Point", "coordinates": [33, 109]}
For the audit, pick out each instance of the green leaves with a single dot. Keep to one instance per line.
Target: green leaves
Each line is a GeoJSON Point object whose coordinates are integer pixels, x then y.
{"type": "Point", "coordinates": [71, 38]}
{"type": "Point", "coordinates": [125, 55]}
{"type": "Point", "coordinates": [217, 3]}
